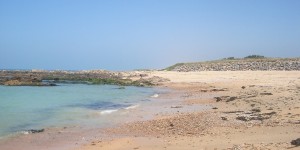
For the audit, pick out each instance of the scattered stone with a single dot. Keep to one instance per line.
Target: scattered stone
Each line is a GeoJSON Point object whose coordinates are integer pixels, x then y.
{"type": "Point", "coordinates": [271, 113]}
{"type": "Point", "coordinates": [256, 110]}
{"type": "Point", "coordinates": [259, 117]}
{"type": "Point", "coordinates": [296, 142]}
{"type": "Point", "coordinates": [231, 99]}
{"type": "Point", "coordinates": [242, 118]}
{"type": "Point", "coordinates": [233, 112]}
{"type": "Point", "coordinates": [143, 75]}
{"type": "Point", "coordinates": [226, 98]}
{"type": "Point", "coordinates": [176, 106]}
{"type": "Point", "coordinates": [243, 87]}
{"type": "Point", "coordinates": [221, 98]}
{"type": "Point", "coordinates": [266, 94]}
{"type": "Point", "coordinates": [218, 99]}
{"type": "Point", "coordinates": [217, 90]}
{"type": "Point", "coordinates": [223, 118]}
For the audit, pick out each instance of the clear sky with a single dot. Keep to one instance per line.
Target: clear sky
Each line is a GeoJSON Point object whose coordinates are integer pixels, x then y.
{"type": "Point", "coordinates": [135, 34]}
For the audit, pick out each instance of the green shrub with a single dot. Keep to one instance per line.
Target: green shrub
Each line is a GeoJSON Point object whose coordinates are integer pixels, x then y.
{"type": "Point", "coordinates": [254, 56]}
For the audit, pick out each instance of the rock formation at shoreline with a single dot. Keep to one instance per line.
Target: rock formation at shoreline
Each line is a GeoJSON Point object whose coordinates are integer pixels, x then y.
{"type": "Point", "coordinates": [264, 64]}
{"type": "Point", "coordinates": [50, 78]}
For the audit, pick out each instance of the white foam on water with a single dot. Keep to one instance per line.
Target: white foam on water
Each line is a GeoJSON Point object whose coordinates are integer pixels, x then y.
{"type": "Point", "coordinates": [132, 107]}
{"type": "Point", "coordinates": [109, 111]}
{"type": "Point", "coordinates": [155, 96]}
{"type": "Point", "coordinates": [25, 132]}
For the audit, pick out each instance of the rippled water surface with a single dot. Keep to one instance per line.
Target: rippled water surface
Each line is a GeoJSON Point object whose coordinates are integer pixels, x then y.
{"type": "Point", "coordinates": [24, 107]}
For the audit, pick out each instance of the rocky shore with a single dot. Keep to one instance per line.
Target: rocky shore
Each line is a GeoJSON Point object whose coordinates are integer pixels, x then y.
{"type": "Point", "coordinates": [51, 78]}
{"type": "Point", "coordinates": [261, 64]}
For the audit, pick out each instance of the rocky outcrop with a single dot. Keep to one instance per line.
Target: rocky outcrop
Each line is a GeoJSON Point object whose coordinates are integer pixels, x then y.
{"type": "Point", "coordinates": [286, 64]}
{"type": "Point", "coordinates": [50, 78]}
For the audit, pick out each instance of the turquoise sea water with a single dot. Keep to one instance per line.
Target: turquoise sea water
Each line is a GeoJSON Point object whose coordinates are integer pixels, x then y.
{"type": "Point", "coordinates": [24, 107]}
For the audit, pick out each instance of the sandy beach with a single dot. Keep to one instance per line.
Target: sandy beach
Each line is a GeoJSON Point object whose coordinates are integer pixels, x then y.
{"type": "Point", "coordinates": [247, 110]}
{"type": "Point", "coordinates": [194, 110]}
{"type": "Point", "coordinates": [150, 75]}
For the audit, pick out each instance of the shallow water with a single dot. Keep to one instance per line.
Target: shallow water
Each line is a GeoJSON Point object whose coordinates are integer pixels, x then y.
{"type": "Point", "coordinates": [24, 107]}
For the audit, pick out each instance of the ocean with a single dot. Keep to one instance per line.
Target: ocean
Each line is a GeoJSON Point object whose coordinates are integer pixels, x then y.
{"type": "Point", "coordinates": [26, 107]}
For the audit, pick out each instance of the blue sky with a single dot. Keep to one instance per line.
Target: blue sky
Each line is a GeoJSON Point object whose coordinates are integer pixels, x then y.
{"type": "Point", "coordinates": [128, 34]}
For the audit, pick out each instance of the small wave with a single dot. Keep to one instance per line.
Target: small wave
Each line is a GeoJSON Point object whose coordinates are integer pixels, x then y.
{"type": "Point", "coordinates": [104, 112]}
{"type": "Point", "coordinates": [155, 96]}
{"type": "Point", "coordinates": [132, 107]}
{"type": "Point", "coordinates": [25, 132]}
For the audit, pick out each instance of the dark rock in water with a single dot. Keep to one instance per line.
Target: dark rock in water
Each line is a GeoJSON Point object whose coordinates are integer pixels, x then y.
{"type": "Point", "coordinates": [52, 84]}
{"type": "Point", "coordinates": [296, 142]}
{"type": "Point", "coordinates": [49, 84]}
{"type": "Point", "coordinates": [121, 87]}
{"type": "Point", "coordinates": [36, 131]}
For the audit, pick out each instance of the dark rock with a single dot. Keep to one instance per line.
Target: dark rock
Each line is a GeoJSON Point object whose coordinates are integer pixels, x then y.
{"type": "Point", "coordinates": [143, 75]}
{"type": "Point", "coordinates": [242, 118]}
{"type": "Point", "coordinates": [223, 118]}
{"type": "Point", "coordinates": [214, 108]}
{"type": "Point", "coordinates": [256, 110]}
{"type": "Point", "coordinates": [217, 90]}
{"type": "Point", "coordinates": [176, 106]}
{"type": "Point", "coordinates": [296, 142]}
{"type": "Point", "coordinates": [120, 88]}
{"type": "Point", "coordinates": [227, 98]}
{"type": "Point", "coordinates": [36, 131]}
{"type": "Point", "coordinates": [218, 99]}
{"type": "Point", "coordinates": [231, 99]}
{"type": "Point", "coordinates": [266, 94]}
{"type": "Point", "coordinates": [232, 112]}
{"type": "Point", "coordinates": [48, 84]}
{"type": "Point", "coordinates": [271, 113]}
{"type": "Point", "coordinates": [243, 87]}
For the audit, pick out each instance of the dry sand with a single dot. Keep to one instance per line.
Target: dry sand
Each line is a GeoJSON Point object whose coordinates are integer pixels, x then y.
{"type": "Point", "coordinates": [249, 110]}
